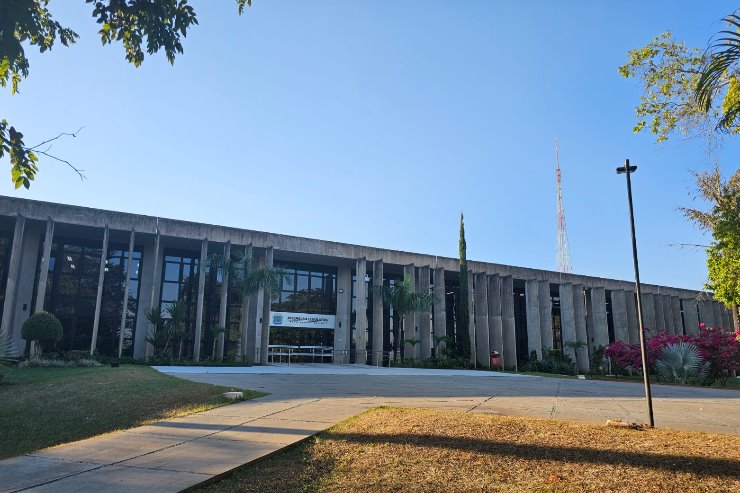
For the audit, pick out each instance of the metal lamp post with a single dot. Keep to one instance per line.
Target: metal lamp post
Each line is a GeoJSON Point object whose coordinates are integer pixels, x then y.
{"type": "Point", "coordinates": [628, 170]}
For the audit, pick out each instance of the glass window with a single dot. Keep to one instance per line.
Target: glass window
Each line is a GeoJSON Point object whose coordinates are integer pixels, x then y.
{"type": "Point", "coordinates": [307, 289]}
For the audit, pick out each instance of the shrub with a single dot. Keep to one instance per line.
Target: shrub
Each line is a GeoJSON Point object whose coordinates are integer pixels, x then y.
{"type": "Point", "coordinates": [42, 327]}
{"type": "Point", "coordinates": [679, 362]}
{"type": "Point", "coordinates": [41, 362]}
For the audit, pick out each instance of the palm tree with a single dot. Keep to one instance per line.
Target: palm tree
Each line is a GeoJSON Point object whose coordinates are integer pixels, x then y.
{"type": "Point", "coordinates": [719, 75]}
{"type": "Point", "coordinates": [403, 301]}
{"type": "Point", "coordinates": [248, 280]}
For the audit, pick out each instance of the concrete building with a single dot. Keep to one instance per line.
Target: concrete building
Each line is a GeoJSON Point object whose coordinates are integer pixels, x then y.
{"type": "Point", "coordinates": [100, 271]}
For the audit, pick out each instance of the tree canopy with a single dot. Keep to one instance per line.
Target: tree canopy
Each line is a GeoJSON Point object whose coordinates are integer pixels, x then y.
{"type": "Point", "coordinates": [139, 25]}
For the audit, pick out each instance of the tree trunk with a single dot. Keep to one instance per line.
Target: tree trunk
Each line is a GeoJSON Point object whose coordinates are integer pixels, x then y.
{"type": "Point", "coordinates": [735, 321]}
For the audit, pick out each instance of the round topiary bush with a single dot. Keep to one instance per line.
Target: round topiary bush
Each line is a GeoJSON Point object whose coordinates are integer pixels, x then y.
{"type": "Point", "coordinates": [42, 327]}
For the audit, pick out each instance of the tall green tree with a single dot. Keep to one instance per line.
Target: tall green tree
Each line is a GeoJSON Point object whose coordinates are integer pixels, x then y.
{"type": "Point", "coordinates": [139, 25]}
{"type": "Point", "coordinates": [248, 279]}
{"type": "Point", "coordinates": [462, 336]}
{"type": "Point", "coordinates": [723, 221]}
{"type": "Point", "coordinates": [404, 301]}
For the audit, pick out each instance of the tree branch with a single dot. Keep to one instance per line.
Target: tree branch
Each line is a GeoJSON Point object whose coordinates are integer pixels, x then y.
{"type": "Point", "coordinates": [47, 154]}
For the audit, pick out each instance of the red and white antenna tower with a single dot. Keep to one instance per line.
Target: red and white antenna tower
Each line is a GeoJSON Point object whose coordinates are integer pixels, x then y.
{"type": "Point", "coordinates": [563, 250]}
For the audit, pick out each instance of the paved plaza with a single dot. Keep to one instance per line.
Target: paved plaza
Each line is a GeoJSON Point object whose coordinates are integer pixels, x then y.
{"type": "Point", "coordinates": [172, 455]}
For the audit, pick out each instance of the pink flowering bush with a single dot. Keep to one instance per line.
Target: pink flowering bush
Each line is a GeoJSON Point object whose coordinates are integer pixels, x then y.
{"type": "Point", "coordinates": [718, 347]}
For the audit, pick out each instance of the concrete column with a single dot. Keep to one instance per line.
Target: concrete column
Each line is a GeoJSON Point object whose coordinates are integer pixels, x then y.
{"type": "Point", "coordinates": [481, 321]}
{"type": "Point", "coordinates": [344, 305]}
{"type": "Point", "coordinates": [425, 317]}
{"type": "Point", "coordinates": [361, 312]}
{"type": "Point", "coordinates": [250, 330]}
{"type": "Point", "coordinates": [600, 324]}
{"type": "Point", "coordinates": [726, 318]}
{"type": "Point", "coordinates": [648, 312]}
{"type": "Point", "coordinates": [667, 313]}
{"type": "Point", "coordinates": [717, 307]}
{"type": "Point", "coordinates": [156, 273]}
{"type": "Point", "coordinates": [706, 313]}
{"type": "Point", "coordinates": [199, 302]}
{"type": "Point", "coordinates": [267, 307]}
{"type": "Point", "coordinates": [44, 267]}
{"type": "Point", "coordinates": [124, 304]}
{"type": "Point", "coordinates": [16, 253]}
{"type": "Point", "coordinates": [619, 315]}
{"type": "Point", "coordinates": [495, 325]}
{"type": "Point", "coordinates": [579, 314]}
{"type": "Point", "coordinates": [99, 295]}
{"type": "Point", "coordinates": [690, 316]}
{"type": "Point", "coordinates": [508, 357]}
{"type": "Point", "coordinates": [676, 315]}
{"type": "Point", "coordinates": [440, 310]}
{"type": "Point", "coordinates": [471, 318]}
{"type": "Point", "coordinates": [409, 327]}
{"type": "Point", "coordinates": [567, 319]}
{"type": "Point", "coordinates": [534, 333]}
{"type": "Point", "coordinates": [660, 319]}
{"type": "Point", "coordinates": [224, 302]}
{"type": "Point", "coordinates": [377, 344]}
{"type": "Point", "coordinates": [634, 335]}
{"type": "Point", "coordinates": [545, 314]}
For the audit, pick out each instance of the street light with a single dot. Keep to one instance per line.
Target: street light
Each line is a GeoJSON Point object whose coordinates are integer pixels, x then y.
{"type": "Point", "coordinates": [628, 170]}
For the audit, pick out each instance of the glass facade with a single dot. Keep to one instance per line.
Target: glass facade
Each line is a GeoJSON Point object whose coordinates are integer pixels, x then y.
{"type": "Point", "coordinates": [306, 289]}
{"type": "Point", "coordinates": [6, 242]}
{"type": "Point", "coordinates": [180, 282]}
{"type": "Point", "coordinates": [71, 289]}
{"type": "Point", "coordinates": [114, 288]}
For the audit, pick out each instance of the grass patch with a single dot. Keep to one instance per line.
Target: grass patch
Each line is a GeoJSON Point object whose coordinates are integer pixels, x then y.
{"type": "Point", "coordinates": [414, 450]}
{"type": "Point", "coordinates": [41, 407]}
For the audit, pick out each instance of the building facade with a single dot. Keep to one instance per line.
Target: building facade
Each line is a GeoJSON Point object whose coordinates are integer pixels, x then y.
{"type": "Point", "coordinates": [100, 272]}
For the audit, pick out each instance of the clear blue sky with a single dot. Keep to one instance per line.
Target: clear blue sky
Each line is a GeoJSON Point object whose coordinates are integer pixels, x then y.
{"type": "Point", "coordinates": [377, 122]}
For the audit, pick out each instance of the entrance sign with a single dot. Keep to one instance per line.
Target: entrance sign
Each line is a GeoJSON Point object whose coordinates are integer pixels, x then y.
{"type": "Point", "coordinates": [302, 320]}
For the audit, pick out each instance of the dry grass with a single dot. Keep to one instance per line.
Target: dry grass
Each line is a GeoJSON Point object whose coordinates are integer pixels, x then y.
{"type": "Point", "coordinates": [400, 450]}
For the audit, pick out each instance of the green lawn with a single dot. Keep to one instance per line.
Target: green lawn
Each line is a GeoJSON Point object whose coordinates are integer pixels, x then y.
{"type": "Point", "coordinates": [41, 407]}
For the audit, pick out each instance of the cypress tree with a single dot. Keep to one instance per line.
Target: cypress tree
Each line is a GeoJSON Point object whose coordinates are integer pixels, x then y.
{"type": "Point", "coordinates": [463, 316]}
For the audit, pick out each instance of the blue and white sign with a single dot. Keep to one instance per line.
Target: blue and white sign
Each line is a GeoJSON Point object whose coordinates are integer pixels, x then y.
{"type": "Point", "coordinates": [302, 320]}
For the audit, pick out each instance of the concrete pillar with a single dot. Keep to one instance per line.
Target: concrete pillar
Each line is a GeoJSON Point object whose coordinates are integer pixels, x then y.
{"type": "Point", "coordinates": [440, 311]}
{"type": "Point", "coordinates": [224, 302]}
{"type": "Point", "coordinates": [718, 308]}
{"type": "Point", "coordinates": [534, 333]}
{"type": "Point", "coordinates": [156, 273]}
{"type": "Point", "coordinates": [425, 317]}
{"type": "Point", "coordinates": [631, 300]}
{"type": "Point", "coordinates": [726, 318]}
{"type": "Point", "coordinates": [619, 315]}
{"type": "Point", "coordinates": [579, 314]}
{"type": "Point", "coordinates": [267, 307]}
{"type": "Point", "coordinates": [706, 313]}
{"type": "Point", "coordinates": [250, 325]}
{"type": "Point", "coordinates": [44, 267]}
{"type": "Point", "coordinates": [471, 318]}
{"type": "Point", "coordinates": [660, 319]}
{"type": "Point", "coordinates": [543, 291]}
{"type": "Point", "coordinates": [482, 344]}
{"type": "Point", "coordinates": [690, 316]}
{"type": "Point", "coordinates": [600, 324]}
{"type": "Point", "coordinates": [344, 305]}
{"type": "Point", "coordinates": [377, 343]}
{"type": "Point", "coordinates": [677, 324]}
{"type": "Point", "coordinates": [199, 302]}
{"type": "Point", "coordinates": [508, 357]}
{"type": "Point", "coordinates": [648, 312]}
{"type": "Point", "coordinates": [16, 253]}
{"type": "Point", "coordinates": [567, 319]}
{"type": "Point", "coordinates": [99, 295]}
{"type": "Point", "coordinates": [667, 313]}
{"type": "Point", "coordinates": [360, 312]}
{"type": "Point", "coordinates": [495, 326]}
{"type": "Point", "coordinates": [124, 304]}
{"type": "Point", "coordinates": [410, 326]}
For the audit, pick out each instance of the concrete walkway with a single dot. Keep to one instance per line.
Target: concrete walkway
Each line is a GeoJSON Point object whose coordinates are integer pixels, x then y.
{"type": "Point", "coordinates": [172, 455]}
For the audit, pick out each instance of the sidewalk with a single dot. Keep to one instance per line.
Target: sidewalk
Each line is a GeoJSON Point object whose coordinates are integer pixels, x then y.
{"type": "Point", "coordinates": [172, 455]}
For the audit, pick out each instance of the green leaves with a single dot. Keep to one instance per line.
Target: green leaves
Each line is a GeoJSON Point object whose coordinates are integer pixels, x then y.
{"type": "Point", "coordinates": [23, 161]}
